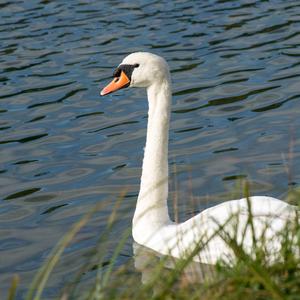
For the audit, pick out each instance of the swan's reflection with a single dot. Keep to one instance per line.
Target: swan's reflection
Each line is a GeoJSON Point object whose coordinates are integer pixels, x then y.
{"type": "Point", "coordinates": [151, 263]}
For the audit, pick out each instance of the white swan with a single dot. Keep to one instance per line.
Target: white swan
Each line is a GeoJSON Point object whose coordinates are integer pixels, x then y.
{"type": "Point", "coordinates": [152, 226]}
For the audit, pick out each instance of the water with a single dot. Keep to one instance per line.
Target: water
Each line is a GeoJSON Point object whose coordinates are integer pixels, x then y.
{"type": "Point", "coordinates": [235, 70]}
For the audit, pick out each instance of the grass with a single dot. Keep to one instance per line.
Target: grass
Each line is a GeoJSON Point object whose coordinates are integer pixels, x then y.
{"type": "Point", "coordinates": [248, 276]}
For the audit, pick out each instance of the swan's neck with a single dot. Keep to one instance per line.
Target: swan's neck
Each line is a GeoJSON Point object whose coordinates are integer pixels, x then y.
{"type": "Point", "coordinates": [152, 209]}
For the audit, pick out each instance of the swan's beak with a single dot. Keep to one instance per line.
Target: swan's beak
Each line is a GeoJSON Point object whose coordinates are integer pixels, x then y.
{"type": "Point", "coordinates": [118, 83]}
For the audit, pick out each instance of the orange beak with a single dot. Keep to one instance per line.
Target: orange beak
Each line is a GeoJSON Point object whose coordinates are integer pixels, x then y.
{"type": "Point", "coordinates": [116, 84]}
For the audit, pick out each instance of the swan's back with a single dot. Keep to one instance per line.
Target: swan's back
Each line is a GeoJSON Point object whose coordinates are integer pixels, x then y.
{"type": "Point", "coordinates": [205, 231]}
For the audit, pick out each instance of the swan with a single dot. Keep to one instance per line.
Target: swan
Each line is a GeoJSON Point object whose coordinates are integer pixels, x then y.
{"type": "Point", "coordinates": [151, 225]}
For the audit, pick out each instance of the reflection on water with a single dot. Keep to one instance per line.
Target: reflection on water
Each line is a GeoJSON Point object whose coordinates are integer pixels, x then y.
{"type": "Point", "coordinates": [149, 262]}
{"type": "Point", "coordinates": [235, 69]}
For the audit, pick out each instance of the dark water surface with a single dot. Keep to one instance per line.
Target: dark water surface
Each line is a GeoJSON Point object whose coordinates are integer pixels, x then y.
{"type": "Point", "coordinates": [235, 67]}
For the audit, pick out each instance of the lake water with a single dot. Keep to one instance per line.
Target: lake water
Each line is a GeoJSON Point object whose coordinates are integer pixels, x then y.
{"type": "Point", "coordinates": [235, 67]}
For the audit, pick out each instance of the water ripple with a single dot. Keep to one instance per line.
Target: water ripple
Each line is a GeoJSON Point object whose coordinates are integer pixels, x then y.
{"type": "Point", "coordinates": [235, 72]}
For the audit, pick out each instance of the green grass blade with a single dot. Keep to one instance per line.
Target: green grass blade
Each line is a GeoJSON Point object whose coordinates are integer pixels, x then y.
{"type": "Point", "coordinates": [42, 276]}
{"type": "Point", "coordinates": [102, 283]}
{"type": "Point", "coordinates": [13, 288]}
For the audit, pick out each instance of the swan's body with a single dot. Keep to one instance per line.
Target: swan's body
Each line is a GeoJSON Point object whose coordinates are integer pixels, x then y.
{"type": "Point", "coordinates": [152, 226]}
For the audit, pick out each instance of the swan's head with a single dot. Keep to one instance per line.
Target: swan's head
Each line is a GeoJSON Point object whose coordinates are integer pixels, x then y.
{"type": "Point", "coordinates": [139, 69]}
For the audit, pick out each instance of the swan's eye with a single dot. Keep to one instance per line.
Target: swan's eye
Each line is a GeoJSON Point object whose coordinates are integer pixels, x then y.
{"type": "Point", "coordinates": [136, 65]}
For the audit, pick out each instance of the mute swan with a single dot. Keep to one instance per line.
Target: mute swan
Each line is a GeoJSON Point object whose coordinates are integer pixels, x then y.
{"type": "Point", "coordinates": [152, 226]}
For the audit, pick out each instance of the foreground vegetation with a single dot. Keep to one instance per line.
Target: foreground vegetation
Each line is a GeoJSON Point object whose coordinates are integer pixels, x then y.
{"type": "Point", "coordinates": [248, 276]}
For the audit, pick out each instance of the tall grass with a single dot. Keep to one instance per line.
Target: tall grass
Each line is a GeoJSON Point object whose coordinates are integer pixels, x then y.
{"type": "Point", "coordinates": [248, 276]}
